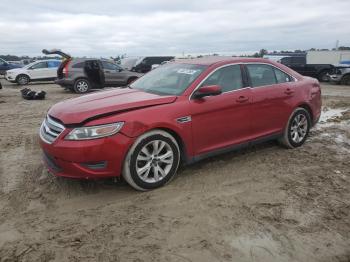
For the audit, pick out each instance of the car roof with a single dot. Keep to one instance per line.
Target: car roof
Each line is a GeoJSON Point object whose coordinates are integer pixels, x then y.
{"type": "Point", "coordinates": [212, 60]}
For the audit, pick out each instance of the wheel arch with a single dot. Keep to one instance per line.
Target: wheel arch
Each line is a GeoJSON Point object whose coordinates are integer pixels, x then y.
{"type": "Point", "coordinates": [80, 78]}
{"type": "Point", "coordinates": [131, 79]}
{"type": "Point", "coordinates": [308, 109]}
{"type": "Point", "coordinates": [172, 131]}
{"type": "Point", "coordinates": [345, 75]}
{"type": "Point", "coordinates": [22, 74]}
{"type": "Point", "coordinates": [182, 146]}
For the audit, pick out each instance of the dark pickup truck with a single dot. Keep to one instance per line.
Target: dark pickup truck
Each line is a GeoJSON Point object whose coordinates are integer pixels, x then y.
{"type": "Point", "coordinates": [298, 64]}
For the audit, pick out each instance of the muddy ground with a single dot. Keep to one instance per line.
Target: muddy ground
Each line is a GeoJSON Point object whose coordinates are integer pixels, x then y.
{"type": "Point", "coordinates": [264, 203]}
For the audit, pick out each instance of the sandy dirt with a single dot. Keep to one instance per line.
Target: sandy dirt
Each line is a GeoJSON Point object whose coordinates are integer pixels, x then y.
{"type": "Point", "coordinates": [264, 203]}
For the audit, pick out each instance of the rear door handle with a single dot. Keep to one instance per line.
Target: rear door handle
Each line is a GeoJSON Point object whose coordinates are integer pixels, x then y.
{"type": "Point", "coordinates": [289, 91]}
{"type": "Point", "coordinates": [107, 71]}
{"type": "Point", "coordinates": [242, 99]}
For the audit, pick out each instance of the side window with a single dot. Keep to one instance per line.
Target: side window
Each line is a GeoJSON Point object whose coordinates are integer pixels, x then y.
{"type": "Point", "coordinates": [261, 75]}
{"type": "Point", "coordinates": [229, 78]}
{"type": "Point", "coordinates": [79, 65]}
{"type": "Point", "coordinates": [281, 76]}
{"type": "Point", "coordinates": [52, 64]}
{"type": "Point", "coordinates": [109, 66]}
{"type": "Point", "coordinates": [40, 65]}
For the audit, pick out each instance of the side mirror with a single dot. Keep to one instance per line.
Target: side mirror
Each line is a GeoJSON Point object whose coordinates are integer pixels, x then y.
{"type": "Point", "coordinates": [120, 69]}
{"type": "Point", "coordinates": [203, 91]}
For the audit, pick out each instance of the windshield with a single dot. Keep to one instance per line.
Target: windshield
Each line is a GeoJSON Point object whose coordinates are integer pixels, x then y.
{"type": "Point", "coordinates": [29, 65]}
{"type": "Point", "coordinates": [169, 79]}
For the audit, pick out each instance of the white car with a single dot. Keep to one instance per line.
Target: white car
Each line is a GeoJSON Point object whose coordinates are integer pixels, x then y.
{"type": "Point", "coordinates": [43, 70]}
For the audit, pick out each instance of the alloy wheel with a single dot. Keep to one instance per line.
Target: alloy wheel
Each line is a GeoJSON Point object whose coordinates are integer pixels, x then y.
{"type": "Point", "coordinates": [23, 80]}
{"type": "Point", "coordinates": [82, 86]}
{"type": "Point", "coordinates": [299, 127]}
{"type": "Point", "coordinates": [154, 161]}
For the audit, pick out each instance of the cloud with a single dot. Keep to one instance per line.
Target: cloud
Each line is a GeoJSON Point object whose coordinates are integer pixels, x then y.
{"type": "Point", "coordinates": [109, 28]}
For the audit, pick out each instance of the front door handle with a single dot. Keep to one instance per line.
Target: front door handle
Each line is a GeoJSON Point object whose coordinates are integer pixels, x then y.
{"type": "Point", "coordinates": [242, 99]}
{"type": "Point", "coordinates": [107, 71]}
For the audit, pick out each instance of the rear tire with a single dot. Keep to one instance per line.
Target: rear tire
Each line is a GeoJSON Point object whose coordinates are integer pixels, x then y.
{"type": "Point", "coordinates": [297, 129]}
{"type": "Point", "coordinates": [345, 80]}
{"type": "Point", "coordinates": [152, 161]}
{"type": "Point", "coordinates": [81, 86]}
{"type": "Point", "coordinates": [22, 80]}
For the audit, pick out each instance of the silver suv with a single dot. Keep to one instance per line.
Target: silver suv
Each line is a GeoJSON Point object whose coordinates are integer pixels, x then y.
{"type": "Point", "coordinates": [82, 74]}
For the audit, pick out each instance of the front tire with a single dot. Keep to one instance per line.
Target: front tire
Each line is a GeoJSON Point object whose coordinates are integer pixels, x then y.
{"type": "Point", "coordinates": [81, 86]}
{"type": "Point", "coordinates": [297, 129]}
{"type": "Point", "coordinates": [152, 161]}
{"type": "Point", "coordinates": [323, 76]}
{"type": "Point", "coordinates": [22, 80]}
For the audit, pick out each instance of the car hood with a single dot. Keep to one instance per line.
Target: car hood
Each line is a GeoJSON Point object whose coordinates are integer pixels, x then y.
{"type": "Point", "coordinates": [104, 103]}
{"type": "Point", "coordinates": [15, 70]}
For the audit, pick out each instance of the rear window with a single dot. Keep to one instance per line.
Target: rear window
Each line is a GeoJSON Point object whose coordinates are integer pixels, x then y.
{"type": "Point", "coordinates": [281, 76]}
{"type": "Point", "coordinates": [261, 75]}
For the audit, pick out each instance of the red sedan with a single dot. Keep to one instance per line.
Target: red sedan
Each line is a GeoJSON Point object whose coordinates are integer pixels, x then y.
{"type": "Point", "coordinates": [178, 113]}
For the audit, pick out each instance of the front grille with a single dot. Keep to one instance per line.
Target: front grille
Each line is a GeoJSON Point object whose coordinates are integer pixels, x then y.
{"type": "Point", "coordinates": [50, 130]}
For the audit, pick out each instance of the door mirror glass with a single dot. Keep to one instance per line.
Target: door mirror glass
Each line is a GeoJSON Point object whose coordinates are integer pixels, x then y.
{"type": "Point", "coordinates": [212, 90]}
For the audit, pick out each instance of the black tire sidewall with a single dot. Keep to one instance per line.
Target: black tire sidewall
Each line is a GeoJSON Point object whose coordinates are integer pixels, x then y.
{"type": "Point", "coordinates": [345, 80]}
{"type": "Point", "coordinates": [76, 83]}
{"type": "Point", "coordinates": [321, 75]}
{"type": "Point", "coordinates": [307, 115]}
{"type": "Point", "coordinates": [23, 76]}
{"type": "Point", "coordinates": [132, 167]}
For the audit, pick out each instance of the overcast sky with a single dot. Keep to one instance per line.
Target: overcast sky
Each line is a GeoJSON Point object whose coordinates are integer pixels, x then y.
{"type": "Point", "coordinates": [160, 27]}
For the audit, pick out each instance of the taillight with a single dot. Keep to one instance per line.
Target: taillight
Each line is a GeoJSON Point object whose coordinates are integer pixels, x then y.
{"type": "Point", "coordinates": [65, 69]}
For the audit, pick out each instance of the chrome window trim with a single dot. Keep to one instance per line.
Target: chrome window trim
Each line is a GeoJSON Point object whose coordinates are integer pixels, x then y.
{"type": "Point", "coordinates": [242, 63]}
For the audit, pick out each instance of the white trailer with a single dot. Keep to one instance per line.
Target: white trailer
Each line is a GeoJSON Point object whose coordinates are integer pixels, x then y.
{"type": "Point", "coordinates": [327, 57]}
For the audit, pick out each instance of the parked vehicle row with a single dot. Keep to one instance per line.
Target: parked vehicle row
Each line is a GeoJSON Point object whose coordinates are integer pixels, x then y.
{"type": "Point", "coordinates": [180, 112]}
{"type": "Point", "coordinates": [300, 65]}
{"type": "Point", "coordinates": [82, 74]}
